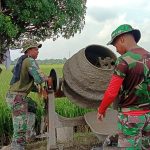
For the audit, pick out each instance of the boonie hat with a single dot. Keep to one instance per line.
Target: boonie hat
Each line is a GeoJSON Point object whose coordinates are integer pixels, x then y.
{"type": "Point", "coordinates": [30, 44]}
{"type": "Point", "coordinates": [122, 29]}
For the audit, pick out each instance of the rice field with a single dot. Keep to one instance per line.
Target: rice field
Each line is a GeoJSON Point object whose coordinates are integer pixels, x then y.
{"type": "Point", "coordinates": [63, 106]}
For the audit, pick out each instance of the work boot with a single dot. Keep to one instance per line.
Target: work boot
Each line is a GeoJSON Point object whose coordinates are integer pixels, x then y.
{"type": "Point", "coordinates": [16, 146]}
{"type": "Point", "coordinates": [111, 140]}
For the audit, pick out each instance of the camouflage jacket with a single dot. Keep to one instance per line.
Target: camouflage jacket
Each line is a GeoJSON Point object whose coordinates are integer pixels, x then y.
{"type": "Point", "coordinates": [29, 74]}
{"type": "Point", "coordinates": [134, 67]}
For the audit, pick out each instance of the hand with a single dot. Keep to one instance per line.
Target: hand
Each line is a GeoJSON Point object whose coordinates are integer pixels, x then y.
{"type": "Point", "coordinates": [100, 116]}
{"type": "Point", "coordinates": [49, 82]}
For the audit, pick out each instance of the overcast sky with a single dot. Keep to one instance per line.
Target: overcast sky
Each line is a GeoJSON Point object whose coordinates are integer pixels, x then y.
{"type": "Point", "coordinates": [102, 17]}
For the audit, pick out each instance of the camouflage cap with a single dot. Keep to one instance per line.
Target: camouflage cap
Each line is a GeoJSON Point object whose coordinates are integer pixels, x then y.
{"type": "Point", "coordinates": [30, 44]}
{"type": "Point", "coordinates": [122, 29]}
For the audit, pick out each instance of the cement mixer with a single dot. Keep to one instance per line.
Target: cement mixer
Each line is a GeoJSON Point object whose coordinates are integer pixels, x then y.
{"type": "Point", "coordinates": [85, 78]}
{"type": "Point", "coordinates": [86, 75]}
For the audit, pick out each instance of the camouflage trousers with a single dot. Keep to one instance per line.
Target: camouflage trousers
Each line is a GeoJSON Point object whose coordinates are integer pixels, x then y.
{"type": "Point", "coordinates": [23, 121]}
{"type": "Point", "coordinates": [134, 132]}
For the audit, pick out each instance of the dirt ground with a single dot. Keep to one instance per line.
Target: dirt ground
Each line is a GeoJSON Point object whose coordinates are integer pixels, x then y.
{"type": "Point", "coordinates": [81, 141]}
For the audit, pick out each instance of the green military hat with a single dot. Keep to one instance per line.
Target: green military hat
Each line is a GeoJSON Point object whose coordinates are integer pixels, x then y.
{"type": "Point", "coordinates": [122, 29]}
{"type": "Point", "coordinates": [30, 44]}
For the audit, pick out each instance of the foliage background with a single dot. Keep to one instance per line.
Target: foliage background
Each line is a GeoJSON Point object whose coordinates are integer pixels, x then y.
{"type": "Point", "coordinates": [39, 19]}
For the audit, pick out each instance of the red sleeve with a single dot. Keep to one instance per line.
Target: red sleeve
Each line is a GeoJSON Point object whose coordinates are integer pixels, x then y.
{"type": "Point", "coordinates": [110, 93]}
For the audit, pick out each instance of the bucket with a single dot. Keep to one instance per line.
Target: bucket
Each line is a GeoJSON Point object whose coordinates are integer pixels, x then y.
{"type": "Point", "coordinates": [86, 75]}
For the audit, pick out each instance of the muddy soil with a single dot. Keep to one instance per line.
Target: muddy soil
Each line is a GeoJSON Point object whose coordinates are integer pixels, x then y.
{"type": "Point", "coordinates": [81, 141]}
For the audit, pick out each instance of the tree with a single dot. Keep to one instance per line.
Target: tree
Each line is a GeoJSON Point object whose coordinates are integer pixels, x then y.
{"type": "Point", "coordinates": [39, 19]}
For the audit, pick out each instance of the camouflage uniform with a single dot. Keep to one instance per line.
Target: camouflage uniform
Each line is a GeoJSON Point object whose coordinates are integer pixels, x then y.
{"type": "Point", "coordinates": [23, 120]}
{"type": "Point", "coordinates": [134, 131]}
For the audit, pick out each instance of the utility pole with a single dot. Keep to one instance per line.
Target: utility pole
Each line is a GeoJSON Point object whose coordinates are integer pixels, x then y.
{"type": "Point", "coordinates": [0, 6]}
{"type": "Point", "coordinates": [69, 53]}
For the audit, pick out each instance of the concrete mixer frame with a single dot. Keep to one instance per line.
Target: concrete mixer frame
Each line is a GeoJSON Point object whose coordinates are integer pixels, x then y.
{"type": "Point", "coordinates": [57, 123]}
{"type": "Point", "coordinates": [59, 128]}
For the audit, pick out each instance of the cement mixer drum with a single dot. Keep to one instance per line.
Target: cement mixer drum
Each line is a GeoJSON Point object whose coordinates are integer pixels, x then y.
{"type": "Point", "coordinates": [86, 75]}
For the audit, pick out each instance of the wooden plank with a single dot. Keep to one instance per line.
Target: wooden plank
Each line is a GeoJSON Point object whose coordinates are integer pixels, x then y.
{"type": "Point", "coordinates": [69, 122]}
{"type": "Point", "coordinates": [51, 121]}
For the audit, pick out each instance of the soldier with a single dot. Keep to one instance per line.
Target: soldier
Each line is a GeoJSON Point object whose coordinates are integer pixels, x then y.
{"type": "Point", "coordinates": [26, 74]}
{"type": "Point", "coordinates": [131, 83]}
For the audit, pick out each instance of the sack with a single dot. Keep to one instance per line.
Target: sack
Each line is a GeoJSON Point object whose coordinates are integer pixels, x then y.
{"type": "Point", "coordinates": [32, 105]}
